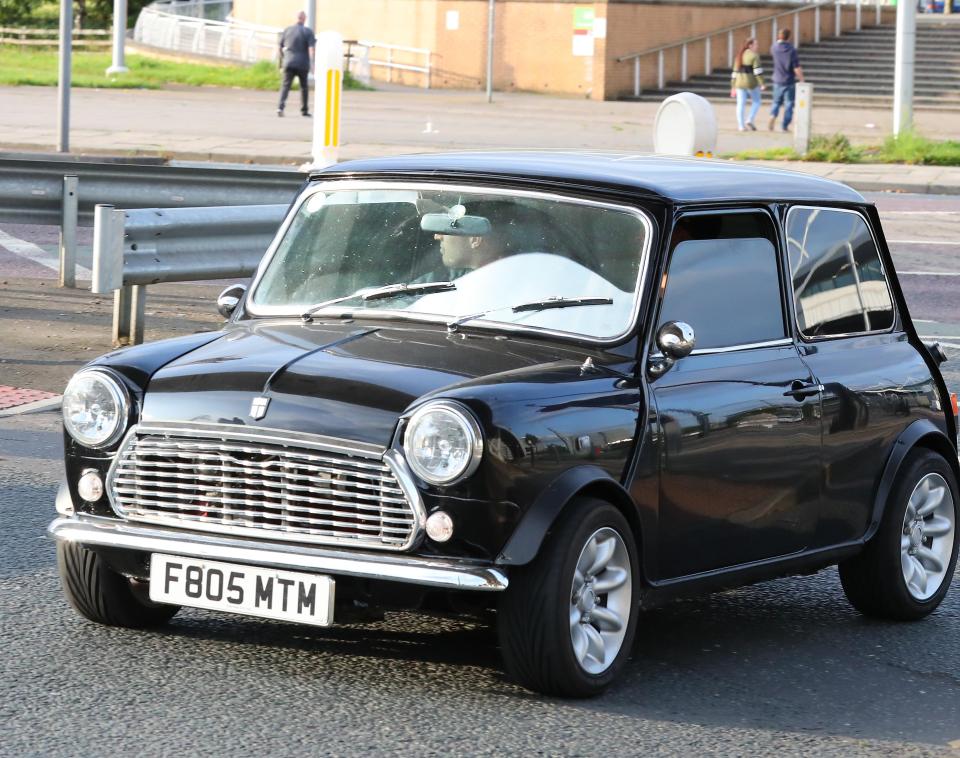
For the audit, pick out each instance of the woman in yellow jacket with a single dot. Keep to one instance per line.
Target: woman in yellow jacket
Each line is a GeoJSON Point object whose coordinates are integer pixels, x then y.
{"type": "Point", "coordinates": [747, 81]}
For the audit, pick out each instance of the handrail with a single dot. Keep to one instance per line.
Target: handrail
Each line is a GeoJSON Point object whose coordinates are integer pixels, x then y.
{"type": "Point", "coordinates": [772, 18]}
{"type": "Point", "coordinates": [727, 29]}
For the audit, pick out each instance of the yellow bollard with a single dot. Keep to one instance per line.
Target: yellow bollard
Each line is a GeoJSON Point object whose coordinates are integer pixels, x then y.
{"type": "Point", "coordinates": [329, 86]}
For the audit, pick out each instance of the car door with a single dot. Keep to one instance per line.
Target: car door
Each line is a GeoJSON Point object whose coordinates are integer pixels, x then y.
{"type": "Point", "coordinates": [875, 383]}
{"type": "Point", "coordinates": [739, 418]}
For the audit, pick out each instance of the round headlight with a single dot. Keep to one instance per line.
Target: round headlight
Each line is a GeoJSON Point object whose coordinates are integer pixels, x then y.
{"type": "Point", "coordinates": [95, 408]}
{"type": "Point", "coordinates": [443, 443]}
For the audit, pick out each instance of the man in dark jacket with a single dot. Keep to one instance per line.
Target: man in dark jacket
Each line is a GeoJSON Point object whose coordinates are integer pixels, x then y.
{"type": "Point", "coordinates": [297, 46]}
{"type": "Point", "coordinates": [786, 74]}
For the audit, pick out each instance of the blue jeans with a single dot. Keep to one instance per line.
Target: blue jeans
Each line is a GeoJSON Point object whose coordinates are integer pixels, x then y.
{"type": "Point", "coordinates": [742, 94]}
{"type": "Point", "coordinates": [786, 95]}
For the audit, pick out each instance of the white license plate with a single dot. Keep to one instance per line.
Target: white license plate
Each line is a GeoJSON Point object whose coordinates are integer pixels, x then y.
{"type": "Point", "coordinates": [249, 590]}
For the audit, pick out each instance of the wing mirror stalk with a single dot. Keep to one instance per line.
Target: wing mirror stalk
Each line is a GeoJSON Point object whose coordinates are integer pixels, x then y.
{"type": "Point", "coordinates": [676, 340]}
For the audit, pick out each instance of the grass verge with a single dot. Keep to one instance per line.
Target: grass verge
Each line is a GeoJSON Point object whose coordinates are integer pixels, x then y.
{"type": "Point", "coordinates": [908, 148]}
{"type": "Point", "coordinates": [39, 67]}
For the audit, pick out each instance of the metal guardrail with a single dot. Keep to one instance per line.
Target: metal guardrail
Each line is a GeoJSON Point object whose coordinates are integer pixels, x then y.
{"type": "Point", "coordinates": [64, 192]}
{"type": "Point", "coordinates": [134, 248]}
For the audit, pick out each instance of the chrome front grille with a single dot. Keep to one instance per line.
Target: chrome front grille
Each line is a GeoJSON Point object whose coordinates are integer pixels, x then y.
{"type": "Point", "coordinates": [255, 482]}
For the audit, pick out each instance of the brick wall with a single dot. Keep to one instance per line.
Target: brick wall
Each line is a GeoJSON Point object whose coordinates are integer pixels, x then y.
{"type": "Point", "coordinates": [534, 38]}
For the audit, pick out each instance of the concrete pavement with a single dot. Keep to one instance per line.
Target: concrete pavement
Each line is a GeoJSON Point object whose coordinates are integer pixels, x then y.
{"type": "Point", "coordinates": [241, 125]}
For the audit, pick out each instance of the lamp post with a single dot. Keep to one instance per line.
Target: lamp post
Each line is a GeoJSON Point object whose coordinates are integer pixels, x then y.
{"type": "Point", "coordinates": [119, 37]}
{"type": "Point", "coordinates": [490, 19]}
{"type": "Point", "coordinates": [63, 83]}
{"type": "Point", "coordinates": [904, 66]}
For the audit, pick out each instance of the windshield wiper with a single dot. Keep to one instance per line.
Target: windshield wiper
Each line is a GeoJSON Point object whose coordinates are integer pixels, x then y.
{"type": "Point", "coordinates": [537, 305]}
{"type": "Point", "coordinates": [561, 302]}
{"type": "Point", "coordinates": [381, 293]}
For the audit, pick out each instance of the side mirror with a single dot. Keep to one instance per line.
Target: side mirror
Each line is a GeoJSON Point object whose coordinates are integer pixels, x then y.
{"type": "Point", "coordinates": [230, 298]}
{"type": "Point", "coordinates": [676, 339]}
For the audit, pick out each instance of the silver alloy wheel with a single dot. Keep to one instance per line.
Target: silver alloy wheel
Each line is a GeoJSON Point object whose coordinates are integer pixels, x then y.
{"type": "Point", "coordinates": [600, 600]}
{"type": "Point", "coordinates": [926, 541]}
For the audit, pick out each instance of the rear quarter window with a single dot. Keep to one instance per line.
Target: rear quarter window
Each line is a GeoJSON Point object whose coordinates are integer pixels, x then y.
{"type": "Point", "coordinates": [839, 285]}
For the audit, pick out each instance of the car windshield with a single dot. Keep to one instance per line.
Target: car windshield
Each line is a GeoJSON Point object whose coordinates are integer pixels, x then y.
{"type": "Point", "coordinates": [371, 251]}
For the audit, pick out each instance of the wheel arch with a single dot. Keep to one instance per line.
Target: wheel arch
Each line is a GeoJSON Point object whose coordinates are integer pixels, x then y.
{"type": "Point", "coordinates": [582, 481]}
{"type": "Point", "coordinates": [920, 434]}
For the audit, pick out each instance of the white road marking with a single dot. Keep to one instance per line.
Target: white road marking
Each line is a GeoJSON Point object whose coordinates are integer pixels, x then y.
{"type": "Point", "coordinates": [36, 254]}
{"type": "Point", "coordinates": [920, 213]}
{"type": "Point", "coordinates": [923, 242]}
{"type": "Point", "coordinates": [928, 273]}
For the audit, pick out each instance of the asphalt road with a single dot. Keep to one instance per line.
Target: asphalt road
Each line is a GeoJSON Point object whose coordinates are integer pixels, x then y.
{"type": "Point", "coordinates": [784, 667]}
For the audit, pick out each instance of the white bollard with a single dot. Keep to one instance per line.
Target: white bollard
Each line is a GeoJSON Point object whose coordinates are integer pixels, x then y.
{"type": "Point", "coordinates": [326, 108]}
{"type": "Point", "coordinates": [803, 118]}
{"type": "Point", "coordinates": [685, 124]}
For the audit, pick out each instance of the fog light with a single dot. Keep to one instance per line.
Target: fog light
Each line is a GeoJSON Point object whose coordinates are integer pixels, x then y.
{"type": "Point", "coordinates": [439, 526]}
{"type": "Point", "coordinates": [90, 486]}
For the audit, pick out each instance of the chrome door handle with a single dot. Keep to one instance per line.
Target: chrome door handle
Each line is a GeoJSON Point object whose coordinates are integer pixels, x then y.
{"type": "Point", "coordinates": [800, 390]}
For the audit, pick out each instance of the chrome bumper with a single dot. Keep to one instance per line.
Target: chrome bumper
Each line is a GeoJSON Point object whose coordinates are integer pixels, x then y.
{"type": "Point", "coordinates": [92, 531]}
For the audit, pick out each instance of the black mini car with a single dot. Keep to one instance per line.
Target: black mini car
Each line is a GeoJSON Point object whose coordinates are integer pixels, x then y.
{"type": "Point", "coordinates": [559, 387]}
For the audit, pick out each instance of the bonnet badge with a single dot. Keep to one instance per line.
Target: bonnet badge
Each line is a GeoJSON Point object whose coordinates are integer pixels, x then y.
{"type": "Point", "coordinates": [258, 408]}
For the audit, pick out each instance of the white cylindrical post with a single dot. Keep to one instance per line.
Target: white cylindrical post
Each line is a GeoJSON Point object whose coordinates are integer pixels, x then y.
{"type": "Point", "coordinates": [63, 83]}
{"type": "Point", "coordinates": [491, 19]}
{"type": "Point", "coordinates": [683, 62]}
{"type": "Point", "coordinates": [857, 15]}
{"type": "Point", "coordinates": [837, 20]}
{"type": "Point", "coordinates": [636, 76]}
{"type": "Point", "coordinates": [312, 15]}
{"type": "Point", "coordinates": [804, 119]}
{"type": "Point", "coordinates": [329, 79]}
{"type": "Point", "coordinates": [903, 67]}
{"type": "Point", "coordinates": [661, 80]}
{"type": "Point", "coordinates": [119, 37]}
{"type": "Point", "coordinates": [707, 56]}
{"type": "Point", "coordinates": [730, 49]}
{"type": "Point", "coordinates": [816, 24]}
{"type": "Point", "coordinates": [796, 29]}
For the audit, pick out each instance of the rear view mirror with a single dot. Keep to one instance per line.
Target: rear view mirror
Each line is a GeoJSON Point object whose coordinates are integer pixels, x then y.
{"type": "Point", "coordinates": [456, 223]}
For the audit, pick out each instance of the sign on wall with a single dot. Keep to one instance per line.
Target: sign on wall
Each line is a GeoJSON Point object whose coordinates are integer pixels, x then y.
{"type": "Point", "coordinates": [583, 22]}
{"type": "Point", "coordinates": [453, 21]}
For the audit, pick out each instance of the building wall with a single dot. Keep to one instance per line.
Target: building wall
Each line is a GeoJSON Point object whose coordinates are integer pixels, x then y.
{"type": "Point", "coordinates": [535, 38]}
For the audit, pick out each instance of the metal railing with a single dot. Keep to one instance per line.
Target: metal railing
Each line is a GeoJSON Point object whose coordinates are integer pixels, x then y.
{"type": "Point", "coordinates": [134, 248]}
{"type": "Point", "coordinates": [248, 43]}
{"type": "Point", "coordinates": [64, 192]}
{"type": "Point", "coordinates": [231, 40]}
{"type": "Point", "coordinates": [814, 7]}
{"type": "Point", "coordinates": [216, 10]}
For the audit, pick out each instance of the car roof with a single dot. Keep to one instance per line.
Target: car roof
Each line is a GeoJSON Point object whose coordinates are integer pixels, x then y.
{"type": "Point", "coordinates": [682, 180]}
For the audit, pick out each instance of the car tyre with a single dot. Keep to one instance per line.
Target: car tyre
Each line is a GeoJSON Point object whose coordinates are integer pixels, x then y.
{"type": "Point", "coordinates": [544, 613]}
{"type": "Point", "coordinates": [102, 595]}
{"type": "Point", "coordinates": [918, 532]}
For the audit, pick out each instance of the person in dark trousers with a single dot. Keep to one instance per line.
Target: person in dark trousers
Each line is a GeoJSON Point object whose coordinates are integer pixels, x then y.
{"type": "Point", "coordinates": [297, 46]}
{"type": "Point", "coordinates": [786, 74]}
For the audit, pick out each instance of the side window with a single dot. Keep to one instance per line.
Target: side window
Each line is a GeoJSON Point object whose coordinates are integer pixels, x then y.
{"type": "Point", "coordinates": [723, 280]}
{"type": "Point", "coordinates": [838, 282]}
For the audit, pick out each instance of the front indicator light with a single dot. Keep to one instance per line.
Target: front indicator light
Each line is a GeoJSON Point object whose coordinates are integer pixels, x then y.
{"type": "Point", "coordinates": [439, 526]}
{"type": "Point", "coordinates": [90, 486]}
